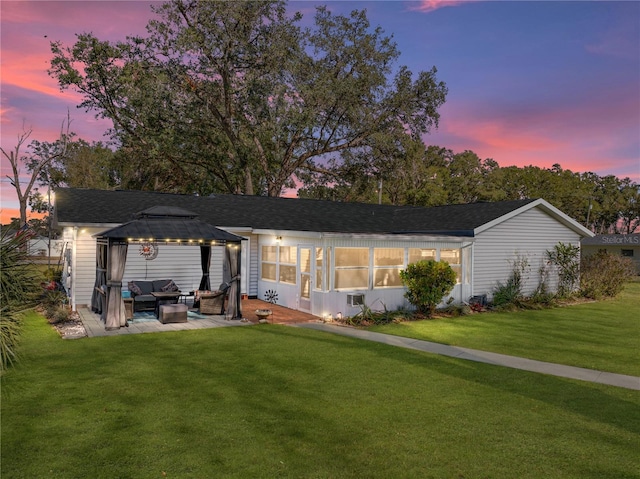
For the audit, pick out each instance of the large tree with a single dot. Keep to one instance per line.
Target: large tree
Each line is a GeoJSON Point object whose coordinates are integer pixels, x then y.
{"type": "Point", "coordinates": [36, 157]}
{"type": "Point", "coordinates": [84, 165]}
{"type": "Point", "coordinates": [238, 96]}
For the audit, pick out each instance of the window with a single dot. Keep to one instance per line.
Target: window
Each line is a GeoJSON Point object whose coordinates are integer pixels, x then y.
{"type": "Point", "coordinates": [419, 254]}
{"type": "Point", "coordinates": [319, 269]}
{"type": "Point", "coordinates": [452, 256]}
{"type": "Point", "coordinates": [305, 273]}
{"type": "Point", "coordinates": [387, 263]}
{"type": "Point", "coordinates": [287, 263]}
{"type": "Point", "coordinates": [279, 263]}
{"type": "Point", "coordinates": [466, 261]}
{"type": "Point", "coordinates": [327, 270]}
{"type": "Point", "coordinates": [627, 252]}
{"type": "Point", "coordinates": [352, 268]}
{"type": "Point", "coordinates": [268, 264]}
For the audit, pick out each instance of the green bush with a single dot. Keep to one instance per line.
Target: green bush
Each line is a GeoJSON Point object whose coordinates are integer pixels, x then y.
{"type": "Point", "coordinates": [58, 315]}
{"type": "Point", "coordinates": [54, 306]}
{"type": "Point", "coordinates": [53, 274]}
{"type": "Point", "coordinates": [18, 289]}
{"type": "Point", "coordinates": [367, 316]}
{"type": "Point", "coordinates": [566, 258]}
{"type": "Point", "coordinates": [510, 293]}
{"type": "Point", "coordinates": [427, 283]}
{"type": "Point", "coordinates": [603, 274]}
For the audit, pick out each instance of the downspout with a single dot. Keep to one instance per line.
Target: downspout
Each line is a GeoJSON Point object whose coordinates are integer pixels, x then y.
{"type": "Point", "coordinates": [468, 268]}
{"type": "Point", "coordinates": [472, 269]}
{"type": "Point", "coordinates": [74, 253]}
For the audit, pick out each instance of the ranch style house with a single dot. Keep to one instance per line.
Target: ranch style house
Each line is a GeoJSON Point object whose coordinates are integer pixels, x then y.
{"type": "Point", "coordinates": [320, 257]}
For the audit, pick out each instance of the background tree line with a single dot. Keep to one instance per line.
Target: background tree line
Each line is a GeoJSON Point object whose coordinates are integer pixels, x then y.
{"type": "Point", "coordinates": [417, 176]}
{"type": "Point", "coordinates": [240, 97]}
{"type": "Point", "coordinates": [410, 173]}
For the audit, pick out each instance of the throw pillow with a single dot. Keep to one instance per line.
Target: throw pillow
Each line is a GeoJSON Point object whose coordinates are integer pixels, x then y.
{"type": "Point", "coordinates": [134, 288]}
{"type": "Point", "coordinates": [170, 287]}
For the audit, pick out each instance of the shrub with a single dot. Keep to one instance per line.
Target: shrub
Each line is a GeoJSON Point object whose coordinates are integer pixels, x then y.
{"type": "Point", "coordinates": [603, 274]}
{"type": "Point", "coordinates": [53, 274]}
{"type": "Point", "coordinates": [58, 315]}
{"type": "Point", "coordinates": [54, 306]}
{"type": "Point", "coordinates": [427, 283]}
{"type": "Point", "coordinates": [367, 316]}
{"type": "Point", "coordinates": [10, 328]}
{"type": "Point", "coordinates": [510, 293]}
{"type": "Point", "coordinates": [18, 288]}
{"type": "Point", "coordinates": [566, 258]}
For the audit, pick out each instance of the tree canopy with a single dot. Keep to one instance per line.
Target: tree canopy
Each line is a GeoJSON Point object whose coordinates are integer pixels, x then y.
{"type": "Point", "coordinates": [239, 94]}
{"type": "Point", "coordinates": [239, 97]}
{"type": "Point", "coordinates": [407, 172]}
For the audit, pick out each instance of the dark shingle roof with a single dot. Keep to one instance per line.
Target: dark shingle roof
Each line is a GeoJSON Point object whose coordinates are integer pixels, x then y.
{"type": "Point", "coordinates": [84, 206]}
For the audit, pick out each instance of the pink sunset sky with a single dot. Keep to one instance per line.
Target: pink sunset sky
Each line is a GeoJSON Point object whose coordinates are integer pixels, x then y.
{"type": "Point", "coordinates": [530, 83]}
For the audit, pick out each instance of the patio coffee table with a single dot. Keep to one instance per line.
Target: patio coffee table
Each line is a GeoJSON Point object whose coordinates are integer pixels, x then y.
{"type": "Point", "coordinates": [164, 298]}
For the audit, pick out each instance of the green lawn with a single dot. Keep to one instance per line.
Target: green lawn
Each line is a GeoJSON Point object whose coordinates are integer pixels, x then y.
{"type": "Point", "coordinates": [275, 401]}
{"type": "Point", "coordinates": [602, 335]}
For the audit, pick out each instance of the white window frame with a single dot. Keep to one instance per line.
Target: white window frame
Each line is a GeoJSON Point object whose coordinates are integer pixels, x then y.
{"type": "Point", "coordinates": [366, 268]}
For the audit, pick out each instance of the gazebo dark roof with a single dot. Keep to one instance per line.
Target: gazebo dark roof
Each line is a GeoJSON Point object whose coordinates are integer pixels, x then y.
{"type": "Point", "coordinates": [162, 223]}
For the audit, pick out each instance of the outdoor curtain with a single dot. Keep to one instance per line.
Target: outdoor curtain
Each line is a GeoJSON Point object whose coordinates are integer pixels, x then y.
{"type": "Point", "coordinates": [97, 305]}
{"type": "Point", "coordinates": [116, 316]}
{"type": "Point", "coordinates": [232, 258]}
{"type": "Point", "coordinates": [205, 262]}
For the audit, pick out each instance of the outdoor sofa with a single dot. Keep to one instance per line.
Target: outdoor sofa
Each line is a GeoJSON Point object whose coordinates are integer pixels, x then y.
{"type": "Point", "coordinates": [141, 291]}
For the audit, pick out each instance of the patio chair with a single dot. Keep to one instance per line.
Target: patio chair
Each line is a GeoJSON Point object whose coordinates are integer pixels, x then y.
{"type": "Point", "coordinates": [212, 302]}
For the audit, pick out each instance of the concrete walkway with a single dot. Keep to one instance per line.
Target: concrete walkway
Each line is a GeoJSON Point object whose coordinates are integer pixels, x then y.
{"type": "Point", "coordinates": [611, 379]}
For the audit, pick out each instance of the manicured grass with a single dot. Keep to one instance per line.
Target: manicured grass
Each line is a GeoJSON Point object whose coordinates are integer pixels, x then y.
{"type": "Point", "coordinates": [275, 401]}
{"type": "Point", "coordinates": [601, 335]}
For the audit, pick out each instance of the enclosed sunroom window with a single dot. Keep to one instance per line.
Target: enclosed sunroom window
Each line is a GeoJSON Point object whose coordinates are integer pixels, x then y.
{"type": "Point", "coordinates": [268, 264]}
{"type": "Point", "coordinates": [287, 263]}
{"type": "Point", "coordinates": [453, 257]}
{"type": "Point", "coordinates": [319, 283]}
{"type": "Point", "coordinates": [421, 254]}
{"type": "Point", "coordinates": [387, 263]}
{"type": "Point", "coordinates": [351, 268]}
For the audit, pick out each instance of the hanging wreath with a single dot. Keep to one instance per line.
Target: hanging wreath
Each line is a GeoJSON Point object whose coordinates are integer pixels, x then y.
{"type": "Point", "coordinates": [149, 251]}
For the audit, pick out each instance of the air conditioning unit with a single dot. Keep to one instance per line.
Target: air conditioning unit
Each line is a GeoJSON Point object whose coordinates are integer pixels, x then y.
{"type": "Point", "coordinates": [355, 299]}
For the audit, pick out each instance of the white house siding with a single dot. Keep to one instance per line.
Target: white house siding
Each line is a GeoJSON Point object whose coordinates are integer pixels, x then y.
{"type": "Point", "coordinates": [529, 235]}
{"type": "Point", "coordinates": [83, 265]}
{"type": "Point", "coordinates": [179, 263]}
{"type": "Point", "coordinates": [334, 302]}
{"type": "Point", "coordinates": [250, 256]}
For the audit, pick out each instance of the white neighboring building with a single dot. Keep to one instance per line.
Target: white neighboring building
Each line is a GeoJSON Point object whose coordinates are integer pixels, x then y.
{"type": "Point", "coordinates": [317, 256]}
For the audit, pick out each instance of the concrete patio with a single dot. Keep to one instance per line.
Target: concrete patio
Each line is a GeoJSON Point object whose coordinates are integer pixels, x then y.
{"type": "Point", "coordinates": [281, 315]}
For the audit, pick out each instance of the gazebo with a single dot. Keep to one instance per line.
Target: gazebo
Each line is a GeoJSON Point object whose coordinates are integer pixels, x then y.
{"type": "Point", "coordinates": [160, 224]}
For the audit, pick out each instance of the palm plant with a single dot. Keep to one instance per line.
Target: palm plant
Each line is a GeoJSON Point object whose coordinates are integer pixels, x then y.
{"type": "Point", "coordinates": [18, 288]}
